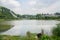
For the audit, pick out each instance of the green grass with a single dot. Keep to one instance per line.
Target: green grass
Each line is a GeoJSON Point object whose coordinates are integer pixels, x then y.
{"type": "Point", "coordinates": [44, 37]}
{"type": "Point", "coordinates": [4, 27]}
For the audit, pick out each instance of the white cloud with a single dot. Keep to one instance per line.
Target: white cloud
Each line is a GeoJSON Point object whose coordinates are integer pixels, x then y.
{"type": "Point", "coordinates": [32, 2]}
{"type": "Point", "coordinates": [31, 6]}
{"type": "Point", "coordinates": [14, 2]}
{"type": "Point", "coordinates": [55, 7]}
{"type": "Point", "coordinates": [3, 1]}
{"type": "Point", "coordinates": [52, 8]}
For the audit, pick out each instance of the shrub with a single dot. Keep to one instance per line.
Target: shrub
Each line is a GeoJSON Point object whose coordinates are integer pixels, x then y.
{"type": "Point", "coordinates": [56, 30]}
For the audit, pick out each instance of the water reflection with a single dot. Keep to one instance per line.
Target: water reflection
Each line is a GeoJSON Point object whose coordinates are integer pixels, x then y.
{"type": "Point", "coordinates": [34, 26]}
{"type": "Point", "coordinates": [4, 26]}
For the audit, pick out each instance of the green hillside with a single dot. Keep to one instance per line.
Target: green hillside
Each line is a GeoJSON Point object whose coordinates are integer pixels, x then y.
{"type": "Point", "coordinates": [6, 13]}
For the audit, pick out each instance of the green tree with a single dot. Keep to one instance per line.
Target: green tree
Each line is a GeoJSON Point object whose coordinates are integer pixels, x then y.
{"type": "Point", "coordinates": [38, 16]}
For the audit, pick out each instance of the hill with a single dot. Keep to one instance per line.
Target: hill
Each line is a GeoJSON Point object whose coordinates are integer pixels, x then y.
{"type": "Point", "coordinates": [6, 13]}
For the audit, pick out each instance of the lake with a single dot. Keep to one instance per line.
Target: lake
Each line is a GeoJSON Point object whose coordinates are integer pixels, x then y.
{"type": "Point", "coordinates": [34, 26]}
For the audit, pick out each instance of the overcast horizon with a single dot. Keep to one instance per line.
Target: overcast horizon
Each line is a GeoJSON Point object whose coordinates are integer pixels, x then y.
{"type": "Point", "coordinates": [32, 7]}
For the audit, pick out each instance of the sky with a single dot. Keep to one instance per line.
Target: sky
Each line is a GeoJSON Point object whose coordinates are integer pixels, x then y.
{"type": "Point", "coordinates": [32, 7]}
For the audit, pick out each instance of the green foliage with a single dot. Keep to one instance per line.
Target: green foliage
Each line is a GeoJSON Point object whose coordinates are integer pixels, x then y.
{"type": "Point", "coordinates": [40, 16]}
{"type": "Point", "coordinates": [8, 37]}
{"type": "Point", "coordinates": [45, 37]}
{"type": "Point", "coordinates": [6, 13]}
{"type": "Point", "coordinates": [55, 37]}
{"type": "Point", "coordinates": [56, 30]}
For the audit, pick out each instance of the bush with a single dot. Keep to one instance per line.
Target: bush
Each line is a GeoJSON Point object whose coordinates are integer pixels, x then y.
{"type": "Point", "coordinates": [56, 30]}
{"type": "Point", "coordinates": [45, 37]}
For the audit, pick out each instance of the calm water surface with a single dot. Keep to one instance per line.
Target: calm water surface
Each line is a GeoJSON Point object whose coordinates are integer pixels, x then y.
{"type": "Point", "coordinates": [34, 26]}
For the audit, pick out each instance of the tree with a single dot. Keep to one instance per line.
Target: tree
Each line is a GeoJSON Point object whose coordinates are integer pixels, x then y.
{"type": "Point", "coordinates": [38, 16]}
{"type": "Point", "coordinates": [57, 13]}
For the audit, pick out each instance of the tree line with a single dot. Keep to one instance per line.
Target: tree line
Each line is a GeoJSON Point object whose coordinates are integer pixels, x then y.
{"type": "Point", "coordinates": [40, 16]}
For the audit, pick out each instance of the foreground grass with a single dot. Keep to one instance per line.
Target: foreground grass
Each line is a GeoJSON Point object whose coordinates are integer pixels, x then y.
{"type": "Point", "coordinates": [8, 37]}
{"type": "Point", "coordinates": [44, 37]}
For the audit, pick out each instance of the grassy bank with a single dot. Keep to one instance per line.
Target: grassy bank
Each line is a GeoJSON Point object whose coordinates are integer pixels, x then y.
{"type": "Point", "coordinates": [4, 27]}
{"type": "Point", "coordinates": [44, 37]}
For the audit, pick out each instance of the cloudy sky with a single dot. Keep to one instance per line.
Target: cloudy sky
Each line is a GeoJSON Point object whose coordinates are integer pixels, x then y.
{"type": "Point", "coordinates": [32, 6]}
